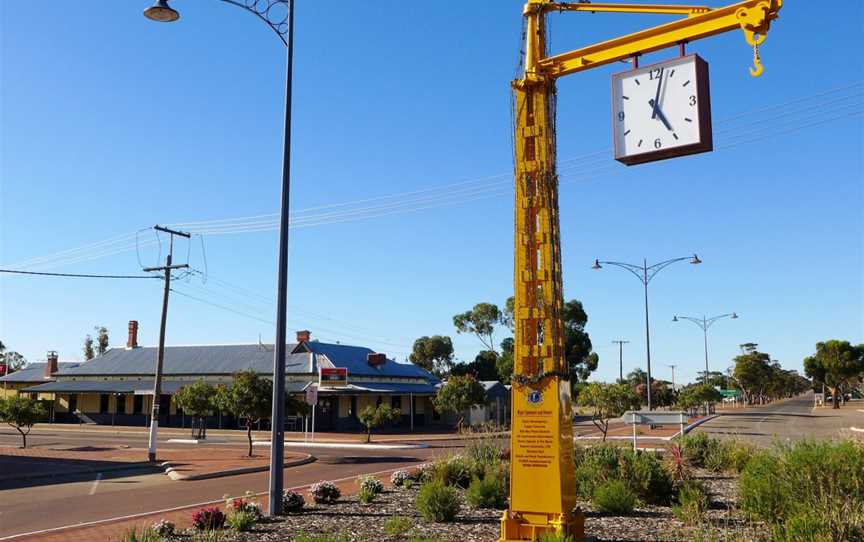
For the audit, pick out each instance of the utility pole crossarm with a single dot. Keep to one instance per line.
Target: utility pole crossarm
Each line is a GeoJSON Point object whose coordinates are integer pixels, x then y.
{"type": "Point", "coordinates": [752, 16]}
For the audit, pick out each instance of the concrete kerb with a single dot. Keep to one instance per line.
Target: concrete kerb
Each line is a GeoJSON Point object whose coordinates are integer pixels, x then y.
{"type": "Point", "coordinates": [142, 465]}
{"type": "Point", "coordinates": [172, 473]}
{"type": "Point", "coordinates": [345, 445]}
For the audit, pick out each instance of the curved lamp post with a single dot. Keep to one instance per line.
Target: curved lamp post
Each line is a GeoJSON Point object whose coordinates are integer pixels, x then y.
{"type": "Point", "coordinates": [645, 273]}
{"type": "Point", "coordinates": [705, 323]}
{"type": "Point", "coordinates": [279, 16]}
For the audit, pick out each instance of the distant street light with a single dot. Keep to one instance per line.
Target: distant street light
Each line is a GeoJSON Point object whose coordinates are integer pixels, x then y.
{"type": "Point", "coordinates": [705, 323]}
{"type": "Point", "coordinates": [645, 273]}
{"type": "Point", "coordinates": [279, 16]}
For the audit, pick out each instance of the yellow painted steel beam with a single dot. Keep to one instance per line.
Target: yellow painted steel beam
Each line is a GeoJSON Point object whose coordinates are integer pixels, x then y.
{"type": "Point", "coordinates": [752, 16]}
{"type": "Point", "coordinates": [659, 9]}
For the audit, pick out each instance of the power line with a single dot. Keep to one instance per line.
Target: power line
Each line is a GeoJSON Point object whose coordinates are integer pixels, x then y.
{"type": "Point", "coordinates": [78, 275]}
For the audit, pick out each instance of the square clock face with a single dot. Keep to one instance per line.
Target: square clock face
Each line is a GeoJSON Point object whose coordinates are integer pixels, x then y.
{"type": "Point", "coordinates": [661, 111]}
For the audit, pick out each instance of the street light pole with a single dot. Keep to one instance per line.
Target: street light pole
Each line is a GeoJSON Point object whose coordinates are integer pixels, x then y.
{"type": "Point", "coordinates": [673, 376]}
{"type": "Point", "coordinates": [645, 273]}
{"type": "Point", "coordinates": [704, 324]}
{"type": "Point", "coordinates": [620, 344]}
{"type": "Point", "coordinates": [281, 21]}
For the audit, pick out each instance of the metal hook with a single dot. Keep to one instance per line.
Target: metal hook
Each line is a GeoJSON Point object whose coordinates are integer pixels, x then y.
{"type": "Point", "coordinates": [757, 68]}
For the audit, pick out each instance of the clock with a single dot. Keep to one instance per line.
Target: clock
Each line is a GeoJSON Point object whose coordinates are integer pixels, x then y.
{"type": "Point", "coordinates": [661, 111]}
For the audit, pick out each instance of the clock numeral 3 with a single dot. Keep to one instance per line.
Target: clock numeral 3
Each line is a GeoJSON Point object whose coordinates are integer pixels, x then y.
{"type": "Point", "coordinates": [658, 143]}
{"type": "Point", "coordinates": [692, 100]}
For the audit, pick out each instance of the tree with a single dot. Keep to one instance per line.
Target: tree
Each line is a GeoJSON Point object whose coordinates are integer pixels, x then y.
{"type": "Point", "coordinates": [13, 360]}
{"type": "Point", "coordinates": [376, 416]}
{"type": "Point", "coordinates": [199, 401]}
{"type": "Point", "coordinates": [435, 354]}
{"type": "Point", "coordinates": [88, 348]}
{"type": "Point", "coordinates": [481, 321]}
{"type": "Point", "coordinates": [249, 397]}
{"type": "Point", "coordinates": [698, 394]}
{"type": "Point", "coordinates": [484, 367]}
{"type": "Point", "coordinates": [101, 339]}
{"type": "Point", "coordinates": [20, 412]}
{"type": "Point", "coordinates": [459, 394]}
{"type": "Point", "coordinates": [753, 372]}
{"type": "Point", "coordinates": [504, 363]}
{"type": "Point", "coordinates": [835, 363]}
{"type": "Point", "coordinates": [607, 401]}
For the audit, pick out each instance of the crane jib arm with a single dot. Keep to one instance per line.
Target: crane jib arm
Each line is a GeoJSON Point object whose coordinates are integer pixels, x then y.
{"type": "Point", "coordinates": [752, 16]}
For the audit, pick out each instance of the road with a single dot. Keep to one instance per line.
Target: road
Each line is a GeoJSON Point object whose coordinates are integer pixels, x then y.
{"type": "Point", "coordinates": [792, 419]}
{"type": "Point", "coordinates": [50, 503]}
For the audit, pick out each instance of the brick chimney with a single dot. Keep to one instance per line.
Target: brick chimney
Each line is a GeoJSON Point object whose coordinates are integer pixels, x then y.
{"type": "Point", "coordinates": [303, 335]}
{"type": "Point", "coordinates": [132, 341]}
{"type": "Point", "coordinates": [51, 366]}
{"type": "Point", "coordinates": [376, 359]}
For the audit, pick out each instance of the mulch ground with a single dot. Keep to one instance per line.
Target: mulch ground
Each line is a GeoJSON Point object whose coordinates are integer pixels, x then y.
{"type": "Point", "coordinates": [353, 521]}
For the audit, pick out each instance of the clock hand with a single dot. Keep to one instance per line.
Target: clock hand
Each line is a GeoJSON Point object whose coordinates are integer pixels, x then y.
{"type": "Point", "coordinates": [658, 112]}
{"type": "Point", "coordinates": [657, 95]}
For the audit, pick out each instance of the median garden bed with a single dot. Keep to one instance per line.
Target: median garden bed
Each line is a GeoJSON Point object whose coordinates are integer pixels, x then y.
{"type": "Point", "coordinates": [703, 490]}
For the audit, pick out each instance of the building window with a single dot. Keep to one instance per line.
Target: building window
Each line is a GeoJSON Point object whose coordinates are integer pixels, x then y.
{"type": "Point", "coordinates": [121, 404]}
{"type": "Point", "coordinates": [138, 404]}
{"type": "Point", "coordinates": [103, 404]}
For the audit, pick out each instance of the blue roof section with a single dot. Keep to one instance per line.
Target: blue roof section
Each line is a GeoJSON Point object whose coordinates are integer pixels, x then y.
{"type": "Point", "coordinates": [228, 359]}
{"type": "Point", "coordinates": [144, 387]}
{"type": "Point", "coordinates": [35, 372]}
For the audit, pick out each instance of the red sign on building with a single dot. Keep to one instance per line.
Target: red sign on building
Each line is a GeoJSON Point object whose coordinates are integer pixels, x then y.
{"type": "Point", "coordinates": [332, 377]}
{"type": "Point", "coordinates": [2, 369]}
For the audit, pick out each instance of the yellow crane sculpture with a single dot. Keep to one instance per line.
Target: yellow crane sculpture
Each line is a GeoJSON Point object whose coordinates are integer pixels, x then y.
{"type": "Point", "coordinates": [542, 484]}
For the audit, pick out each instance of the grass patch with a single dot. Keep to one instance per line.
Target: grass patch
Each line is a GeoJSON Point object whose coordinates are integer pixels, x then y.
{"type": "Point", "coordinates": [692, 503]}
{"type": "Point", "coordinates": [398, 525]}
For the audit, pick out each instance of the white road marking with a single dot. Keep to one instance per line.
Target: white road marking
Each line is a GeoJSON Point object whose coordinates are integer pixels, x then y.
{"type": "Point", "coordinates": [95, 483]}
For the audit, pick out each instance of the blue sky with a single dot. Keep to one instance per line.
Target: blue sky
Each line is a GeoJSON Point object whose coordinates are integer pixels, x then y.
{"type": "Point", "coordinates": [110, 123]}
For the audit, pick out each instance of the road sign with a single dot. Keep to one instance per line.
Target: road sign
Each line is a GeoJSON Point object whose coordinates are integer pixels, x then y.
{"type": "Point", "coordinates": [655, 418]}
{"type": "Point", "coordinates": [333, 377]}
{"type": "Point", "coordinates": [312, 395]}
{"type": "Point", "coordinates": [730, 393]}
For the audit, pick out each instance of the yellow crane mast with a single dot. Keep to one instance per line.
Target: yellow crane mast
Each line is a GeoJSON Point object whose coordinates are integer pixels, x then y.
{"type": "Point", "coordinates": [542, 483]}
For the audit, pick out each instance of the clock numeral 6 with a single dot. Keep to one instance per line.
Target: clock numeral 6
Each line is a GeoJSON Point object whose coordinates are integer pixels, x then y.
{"type": "Point", "coordinates": [620, 115]}
{"type": "Point", "coordinates": [692, 100]}
{"type": "Point", "coordinates": [658, 143]}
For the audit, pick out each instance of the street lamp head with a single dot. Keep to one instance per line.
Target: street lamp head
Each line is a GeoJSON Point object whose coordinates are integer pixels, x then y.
{"type": "Point", "coordinates": [161, 12]}
{"type": "Point", "coordinates": [596, 265]}
{"type": "Point", "coordinates": [734, 315]}
{"type": "Point", "coordinates": [675, 318]}
{"type": "Point", "coordinates": [695, 260]}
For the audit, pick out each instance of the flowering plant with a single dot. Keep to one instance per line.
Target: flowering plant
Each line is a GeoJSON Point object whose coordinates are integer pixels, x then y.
{"type": "Point", "coordinates": [292, 502]}
{"type": "Point", "coordinates": [325, 492]}
{"type": "Point", "coordinates": [399, 477]}
{"type": "Point", "coordinates": [370, 485]}
{"type": "Point", "coordinates": [245, 504]}
{"type": "Point", "coordinates": [207, 519]}
{"type": "Point", "coordinates": [163, 527]}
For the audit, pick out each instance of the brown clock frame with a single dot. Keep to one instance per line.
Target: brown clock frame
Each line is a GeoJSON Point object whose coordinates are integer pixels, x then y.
{"type": "Point", "coordinates": [703, 99]}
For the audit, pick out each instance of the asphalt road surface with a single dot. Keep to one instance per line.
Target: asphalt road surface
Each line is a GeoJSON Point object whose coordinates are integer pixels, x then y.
{"type": "Point", "coordinates": [793, 419]}
{"type": "Point", "coordinates": [49, 503]}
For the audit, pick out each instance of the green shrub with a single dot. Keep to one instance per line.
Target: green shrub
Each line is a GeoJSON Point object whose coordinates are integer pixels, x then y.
{"type": "Point", "coordinates": [371, 484]}
{"type": "Point", "coordinates": [398, 525]}
{"type": "Point", "coordinates": [485, 451]}
{"type": "Point", "coordinates": [292, 502]}
{"type": "Point", "coordinates": [456, 470]}
{"type": "Point", "coordinates": [692, 504]}
{"type": "Point", "coordinates": [438, 502]}
{"type": "Point", "coordinates": [642, 472]}
{"type": "Point", "coordinates": [145, 535]}
{"type": "Point", "coordinates": [614, 497]}
{"type": "Point", "coordinates": [488, 492]}
{"type": "Point", "coordinates": [366, 495]}
{"type": "Point", "coordinates": [807, 487]}
{"type": "Point", "coordinates": [240, 520]}
{"type": "Point", "coordinates": [739, 455]}
{"type": "Point", "coordinates": [697, 447]}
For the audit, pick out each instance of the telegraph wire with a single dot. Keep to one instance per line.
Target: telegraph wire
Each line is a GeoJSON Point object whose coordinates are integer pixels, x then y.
{"type": "Point", "coordinates": [78, 275]}
{"type": "Point", "coordinates": [118, 244]}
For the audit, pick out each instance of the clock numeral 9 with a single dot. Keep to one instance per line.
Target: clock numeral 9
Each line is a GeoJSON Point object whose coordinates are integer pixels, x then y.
{"type": "Point", "coordinates": [692, 100]}
{"type": "Point", "coordinates": [655, 73]}
{"type": "Point", "coordinates": [658, 143]}
{"type": "Point", "coordinates": [620, 115]}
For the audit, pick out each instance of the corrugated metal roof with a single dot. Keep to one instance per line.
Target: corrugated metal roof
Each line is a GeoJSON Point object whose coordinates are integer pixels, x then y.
{"type": "Point", "coordinates": [383, 387]}
{"type": "Point", "coordinates": [35, 372]}
{"type": "Point", "coordinates": [228, 359]}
